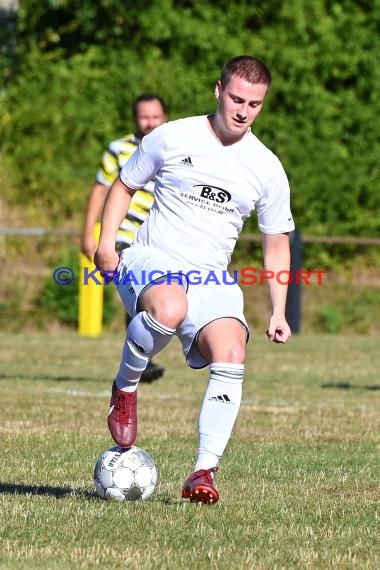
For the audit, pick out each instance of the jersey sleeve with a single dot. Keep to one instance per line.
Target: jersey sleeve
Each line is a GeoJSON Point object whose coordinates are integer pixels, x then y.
{"type": "Point", "coordinates": [146, 160]}
{"type": "Point", "coordinates": [273, 207]}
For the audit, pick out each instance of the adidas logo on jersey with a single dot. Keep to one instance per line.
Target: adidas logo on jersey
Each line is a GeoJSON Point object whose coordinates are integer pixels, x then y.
{"type": "Point", "coordinates": [221, 399]}
{"type": "Point", "coordinates": [187, 161]}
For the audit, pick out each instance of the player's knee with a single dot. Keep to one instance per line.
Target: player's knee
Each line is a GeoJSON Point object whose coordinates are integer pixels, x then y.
{"type": "Point", "coordinates": [235, 354]}
{"type": "Point", "coordinates": [166, 303]}
{"type": "Point", "coordinates": [171, 311]}
{"type": "Point", "coordinates": [228, 353]}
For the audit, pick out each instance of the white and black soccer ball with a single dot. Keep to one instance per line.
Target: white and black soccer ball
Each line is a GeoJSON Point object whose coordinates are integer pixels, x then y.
{"type": "Point", "coordinates": [125, 474]}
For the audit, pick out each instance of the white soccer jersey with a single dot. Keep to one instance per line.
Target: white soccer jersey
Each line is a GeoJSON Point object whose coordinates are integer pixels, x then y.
{"type": "Point", "coordinates": [204, 191]}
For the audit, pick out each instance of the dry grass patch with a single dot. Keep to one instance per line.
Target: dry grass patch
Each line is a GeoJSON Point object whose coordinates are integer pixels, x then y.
{"type": "Point", "coordinates": [299, 481]}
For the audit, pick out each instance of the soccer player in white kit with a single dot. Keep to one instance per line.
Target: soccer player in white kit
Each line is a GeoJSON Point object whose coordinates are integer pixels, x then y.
{"type": "Point", "coordinates": [211, 173]}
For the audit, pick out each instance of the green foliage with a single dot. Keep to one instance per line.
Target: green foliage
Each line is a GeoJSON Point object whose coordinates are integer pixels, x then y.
{"type": "Point", "coordinates": [82, 63]}
{"type": "Point", "coordinates": [53, 141]}
{"type": "Point", "coordinates": [8, 26]}
{"type": "Point", "coordinates": [331, 319]}
{"type": "Point", "coordinates": [359, 310]}
{"type": "Point", "coordinates": [61, 301]}
{"type": "Point", "coordinates": [355, 314]}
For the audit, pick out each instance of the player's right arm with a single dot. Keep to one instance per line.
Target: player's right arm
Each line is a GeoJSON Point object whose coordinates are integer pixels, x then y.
{"type": "Point", "coordinates": [140, 168]}
{"type": "Point", "coordinates": [107, 173]}
{"type": "Point", "coordinates": [117, 203]}
{"type": "Point", "coordinates": [93, 213]}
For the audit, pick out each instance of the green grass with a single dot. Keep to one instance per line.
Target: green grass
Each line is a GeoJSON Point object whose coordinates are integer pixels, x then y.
{"type": "Point", "coordinates": [299, 481]}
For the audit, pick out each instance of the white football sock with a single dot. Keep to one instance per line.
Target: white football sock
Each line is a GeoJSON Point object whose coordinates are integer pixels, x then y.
{"type": "Point", "coordinates": [145, 338]}
{"type": "Point", "coordinates": [219, 411]}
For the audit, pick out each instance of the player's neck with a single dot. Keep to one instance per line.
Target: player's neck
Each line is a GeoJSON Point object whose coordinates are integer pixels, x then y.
{"type": "Point", "coordinates": [221, 133]}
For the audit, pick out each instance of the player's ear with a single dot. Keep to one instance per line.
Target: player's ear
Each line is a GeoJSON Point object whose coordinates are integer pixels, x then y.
{"type": "Point", "coordinates": [217, 89]}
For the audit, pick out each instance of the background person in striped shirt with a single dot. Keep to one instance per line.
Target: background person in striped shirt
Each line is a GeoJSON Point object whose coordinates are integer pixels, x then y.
{"type": "Point", "coordinates": [149, 111]}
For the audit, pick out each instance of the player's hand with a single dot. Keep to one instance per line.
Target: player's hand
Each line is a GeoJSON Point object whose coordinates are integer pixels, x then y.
{"type": "Point", "coordinates": [278, 330]}
{"type": "Point", "coordinates": [107, 261]}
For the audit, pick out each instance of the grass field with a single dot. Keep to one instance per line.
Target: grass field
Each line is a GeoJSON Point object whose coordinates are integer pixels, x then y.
{"type": "Point", "coordinates": [299, 481]}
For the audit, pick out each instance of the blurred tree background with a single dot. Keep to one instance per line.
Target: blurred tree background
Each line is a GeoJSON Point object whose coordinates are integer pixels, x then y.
{"type": "Point", "coordinates": [70, 70]}
{"type": "Point", "coordinates": [81, 63]}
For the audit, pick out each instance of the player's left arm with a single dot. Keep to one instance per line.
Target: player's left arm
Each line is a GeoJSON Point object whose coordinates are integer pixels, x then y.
{"type": "Point", "coordinates": [277, 259]}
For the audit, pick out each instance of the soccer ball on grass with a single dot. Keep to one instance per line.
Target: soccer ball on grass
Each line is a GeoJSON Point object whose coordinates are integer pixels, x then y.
{"type": "Point", "coordinates": [125, 474]}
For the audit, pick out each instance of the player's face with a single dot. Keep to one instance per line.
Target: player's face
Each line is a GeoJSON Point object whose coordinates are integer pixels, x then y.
{"type": "Point", "coordinates": [149, 115]}
{"type": "Point", "coordinates": [239, 103]}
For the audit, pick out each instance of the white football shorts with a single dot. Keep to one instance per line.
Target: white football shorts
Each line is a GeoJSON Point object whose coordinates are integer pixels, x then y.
{"type": "Point", "coordinates": [211, 295]}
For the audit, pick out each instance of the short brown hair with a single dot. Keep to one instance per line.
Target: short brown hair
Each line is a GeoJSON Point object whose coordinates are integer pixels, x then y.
{"type": "Point", "coordinates": [249, 68]}
{"type": "Point", "coordinates": [148, 97]}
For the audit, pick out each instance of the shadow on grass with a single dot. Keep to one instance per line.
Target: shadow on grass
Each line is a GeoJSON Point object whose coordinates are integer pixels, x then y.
{"type": "Point", "coordinates": [348, 386]}
{"type": "Point", "coordinates": [50, 378]}
{"type": "Point", "coordinates": [38, 490]}
{"type": "Point", "coordinates": [62, 492]}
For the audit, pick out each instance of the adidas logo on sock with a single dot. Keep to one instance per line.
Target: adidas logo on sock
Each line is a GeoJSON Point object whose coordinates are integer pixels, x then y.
{"type": "Point", "coordinates": [222, 399]}
{"type": "Point", "coordinates": [187, 161]}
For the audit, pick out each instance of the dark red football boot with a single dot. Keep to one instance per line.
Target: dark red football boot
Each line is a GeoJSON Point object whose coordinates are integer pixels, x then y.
{"type": "Point", "coordinates": [122, 416]}
{"type": "Point", "coordinates": [199, 487]}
